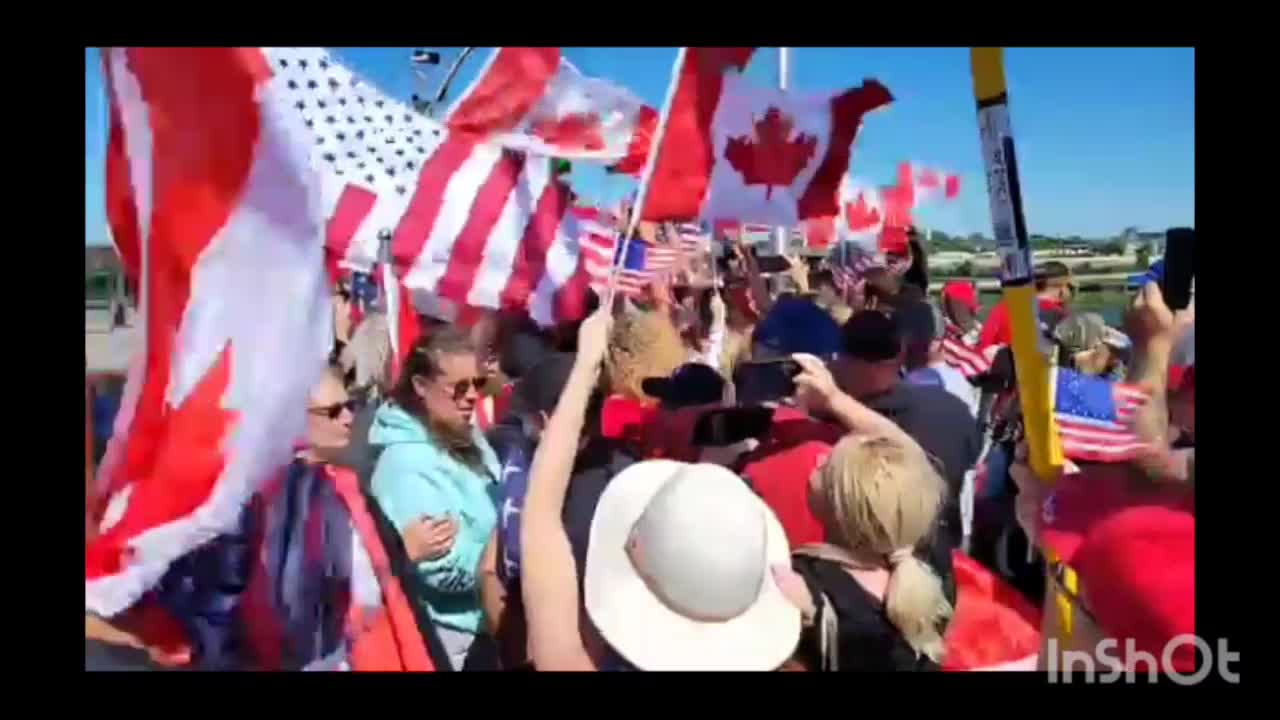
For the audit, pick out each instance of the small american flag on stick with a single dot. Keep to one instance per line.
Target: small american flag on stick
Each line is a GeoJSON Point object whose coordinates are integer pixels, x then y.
{"type": "Point", "coordinates": [643, 264]}
{"type": "Point", "coordinates": [1095, 417]}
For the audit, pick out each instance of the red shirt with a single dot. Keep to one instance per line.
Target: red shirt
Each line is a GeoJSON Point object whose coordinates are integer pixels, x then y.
{"type": "Point", "coordinates": [779, 471]}
{"type": "Point", "coordinates": [997, 330]}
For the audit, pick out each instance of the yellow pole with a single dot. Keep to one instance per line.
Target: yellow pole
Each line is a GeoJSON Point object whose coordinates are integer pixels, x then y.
{"type": "Point", "coordinates": [1017, 281]}
{"type": "Point", "coordinates": [1035, 386]}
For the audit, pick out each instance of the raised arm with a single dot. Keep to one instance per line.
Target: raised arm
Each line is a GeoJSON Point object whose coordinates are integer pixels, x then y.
{"type": "Point", "coordinates": [818, 391]}
{"type": "Point", "coordinates": [549, 577]}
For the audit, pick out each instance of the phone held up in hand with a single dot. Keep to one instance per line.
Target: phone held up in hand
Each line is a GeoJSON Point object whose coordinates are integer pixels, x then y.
{"type": "Point", "coordinates": [1179, 267]}
{"type": "Point", "coordinates": [769, 381]}
{"type": "Point", "coordinates": [728, 426]}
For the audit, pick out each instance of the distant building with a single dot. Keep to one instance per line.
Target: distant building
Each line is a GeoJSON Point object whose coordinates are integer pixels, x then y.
{"type": "Point", "coordinates": [104, 273]}
{"type": "Point", "coordinates": [1134, 239]}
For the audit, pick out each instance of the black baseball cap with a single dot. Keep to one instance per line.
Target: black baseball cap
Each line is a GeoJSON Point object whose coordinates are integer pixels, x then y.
{"type": "Point", "coordinates": [539, 389]}
{"type": "Point", "coordinates": [690, 385]}
{"type": "Point", "coordinates": [871, 336]}
{"type": "Point", "coordinates": [522, 351]}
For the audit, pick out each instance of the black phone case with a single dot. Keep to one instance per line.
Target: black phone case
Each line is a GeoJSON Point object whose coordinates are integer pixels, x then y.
{"type": "Point", "coordinates": [1179, 267]}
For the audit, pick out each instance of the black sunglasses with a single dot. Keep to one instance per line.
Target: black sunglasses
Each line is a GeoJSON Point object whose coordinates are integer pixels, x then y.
{"type": "Point", "coordinates": [334, 410]}
{"type": "Point", "coordinates": [460, 387]}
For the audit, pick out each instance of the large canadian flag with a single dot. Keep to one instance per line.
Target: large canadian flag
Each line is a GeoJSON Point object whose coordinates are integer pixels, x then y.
{"type": "Point", "coordinates": [737, 152]}
{"type": "Point", "coordinates": [212, 198]}
{"type": "Point", "coordinates": [533, 99]}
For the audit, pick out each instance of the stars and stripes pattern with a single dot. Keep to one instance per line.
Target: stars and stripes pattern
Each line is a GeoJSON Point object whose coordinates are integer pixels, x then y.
{"type": "Point", "coordinates": [1095, 417]}
{"type": "Point", "coordinates": [469, 221]}
{"type": "Point", "coordinates": [599, 241]}
{"type": "Point", "coordinates": [959, 354]}
{"type": "Point", "coordinates": [642, 265]}
{"type": "Point", "coordinates": [691, 238]}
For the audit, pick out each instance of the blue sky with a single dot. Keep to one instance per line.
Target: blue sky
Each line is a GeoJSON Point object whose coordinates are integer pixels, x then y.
{"type": "Point", "coordinates": [1106, 136]}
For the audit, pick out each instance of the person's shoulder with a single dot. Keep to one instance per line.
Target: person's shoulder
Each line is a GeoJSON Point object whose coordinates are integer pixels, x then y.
{"type": "Point", "coordinates": [923, 403]}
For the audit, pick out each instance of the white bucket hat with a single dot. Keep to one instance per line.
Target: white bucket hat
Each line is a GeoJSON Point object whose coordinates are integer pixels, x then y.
{"type": "Point", "coordinates": [678, 571]}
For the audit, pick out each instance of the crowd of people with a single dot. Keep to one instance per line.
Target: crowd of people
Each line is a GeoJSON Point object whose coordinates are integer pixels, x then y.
{"type": "Point", "coordinates": [735, 471]}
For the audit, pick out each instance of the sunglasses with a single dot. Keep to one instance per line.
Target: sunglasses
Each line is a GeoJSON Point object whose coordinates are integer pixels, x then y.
{"type": "Point", "coordinates": [334, 410]}
{"type": "Point", "coordinates": [460, 388]}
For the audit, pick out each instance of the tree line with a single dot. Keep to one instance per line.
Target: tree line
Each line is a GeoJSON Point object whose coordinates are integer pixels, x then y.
{"type": "Point", "coordinates": [942, 242]}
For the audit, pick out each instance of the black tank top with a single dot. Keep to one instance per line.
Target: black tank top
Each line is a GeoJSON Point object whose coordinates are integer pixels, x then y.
{"type": "Point", "coordinates": [865, 639]}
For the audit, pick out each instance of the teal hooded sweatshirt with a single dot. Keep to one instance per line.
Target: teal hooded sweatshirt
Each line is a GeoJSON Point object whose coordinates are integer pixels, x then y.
{"type": "Point", "coordinates": [414, 478]}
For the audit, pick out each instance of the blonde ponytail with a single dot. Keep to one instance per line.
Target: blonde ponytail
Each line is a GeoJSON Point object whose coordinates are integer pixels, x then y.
{"type": "Point", "coordinates": [916, 606]}
{"type": "Point", "coordinates": [880, 496]}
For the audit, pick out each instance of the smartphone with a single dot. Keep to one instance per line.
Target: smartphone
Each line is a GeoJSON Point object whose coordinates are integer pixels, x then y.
{"type": "Point", "coordinates": [761, 382]}
{"type": "Point", "coordinates": [1179, 267]}
{"type": "Point", "coordinates": [770, 264]}
{"type": "Point", "coordinates": [728, 426]}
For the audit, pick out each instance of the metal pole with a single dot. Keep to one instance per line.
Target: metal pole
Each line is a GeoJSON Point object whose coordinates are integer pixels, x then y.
{"type": "Point", "coordinates": [453, 72]}
{"type": "Point", "coordinates": [784, 57]}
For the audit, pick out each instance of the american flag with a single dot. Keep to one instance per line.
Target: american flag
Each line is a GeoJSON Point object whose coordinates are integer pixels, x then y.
{"type": "Point", "coordinates": [642, 265]}
{"type": "Point", "coordinates": [471, 222]}
{"type": "Point", "coordinates": [1095, 417]}
{"type": "Point", "coordinates": [599, 240]}
{"type": "Point", "coordinates": [962, 356]}
{"type": "Point", "coordinates": [691, 238]}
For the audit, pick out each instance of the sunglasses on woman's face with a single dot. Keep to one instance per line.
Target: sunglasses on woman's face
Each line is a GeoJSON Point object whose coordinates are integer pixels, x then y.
{"type": "Point", "coordinates": [460, 388]}
{"type": "Point", "coordinates": [334, 410]}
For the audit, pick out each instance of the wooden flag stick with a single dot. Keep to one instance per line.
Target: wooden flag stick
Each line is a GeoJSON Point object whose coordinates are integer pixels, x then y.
{"type": "Point", "coordinates": [646, 176]}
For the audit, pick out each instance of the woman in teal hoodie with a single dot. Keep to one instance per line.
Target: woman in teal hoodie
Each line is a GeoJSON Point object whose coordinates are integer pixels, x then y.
{"type": "Point", "coordinates": [436, 479]}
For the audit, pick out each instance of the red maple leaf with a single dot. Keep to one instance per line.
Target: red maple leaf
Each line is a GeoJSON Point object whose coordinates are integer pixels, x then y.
{"type": "Point", "coordinates": [772, 158]}
{"type": "Point", "coordinates": [188, 461]}
{"type": "Point", "coordinates": [575, 130]}
{"type": "Point", "coordinates": [861, 215]}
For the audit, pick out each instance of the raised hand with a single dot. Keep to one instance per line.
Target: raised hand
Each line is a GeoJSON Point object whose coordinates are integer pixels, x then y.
{"type": "Point", "coordinates": [593, 336]}
{"type": "Point", "coordinates": [815, 384]}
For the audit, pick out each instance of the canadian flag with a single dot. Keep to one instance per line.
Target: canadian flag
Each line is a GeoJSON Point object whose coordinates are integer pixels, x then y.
{"type": "Point", "coordinates": [535, 100]}
{"type": "Point", "coordinates": [861, 215]}
{"type": "Point", "coordinates": [733, 151]}
{"type": "Point", "coordinates": [928, 184]}
{"type": "Point", "coordinates": [211, 192]}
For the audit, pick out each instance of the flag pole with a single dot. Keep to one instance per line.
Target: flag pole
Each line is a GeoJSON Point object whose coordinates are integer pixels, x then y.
{"type": "Point", "coordinates": [646, 176]}
{"type": "Point", "coordinates": [1035, 373]}
{"type": "Point", "coordinates": [1016, 270]}
{"type": "Point", "coordinates": [390, 291]}
{"type": "Point", "coordinates": [784, 72]}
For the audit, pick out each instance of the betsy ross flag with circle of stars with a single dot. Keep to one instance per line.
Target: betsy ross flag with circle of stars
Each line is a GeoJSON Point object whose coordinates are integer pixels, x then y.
{"type": "Point", "coordinates": [468, 220]}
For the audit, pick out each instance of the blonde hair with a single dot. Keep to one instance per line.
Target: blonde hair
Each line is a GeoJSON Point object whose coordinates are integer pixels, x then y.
{"type": "Point", "coordinates": [642, 345]}
{"type": "Point", "coordinates": [880, 497]}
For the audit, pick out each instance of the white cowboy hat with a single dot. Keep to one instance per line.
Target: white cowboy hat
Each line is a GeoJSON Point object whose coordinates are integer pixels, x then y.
{"type": "Point", "coordinates": [678, 571]}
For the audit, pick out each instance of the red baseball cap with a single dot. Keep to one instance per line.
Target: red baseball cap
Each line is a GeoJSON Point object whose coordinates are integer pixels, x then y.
{"type": "Point", "coordinates": [1137, 578]}
{"type": "Point", "coordinates": [1080, 501]}
{"type": "Point", "coordinates": [962, 292]}
{"type": "Point", "coordinates": [779, 470]}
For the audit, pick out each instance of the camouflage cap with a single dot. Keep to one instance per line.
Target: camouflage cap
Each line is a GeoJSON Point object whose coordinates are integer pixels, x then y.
{"type": "Point", "coordinates": [1085, 331]}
